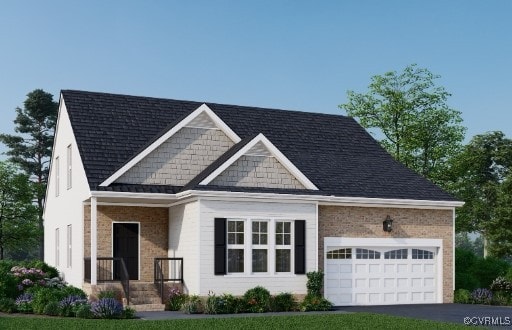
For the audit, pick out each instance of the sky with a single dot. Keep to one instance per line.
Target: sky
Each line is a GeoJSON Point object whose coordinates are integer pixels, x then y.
{"type": "Point", "coordinates": [296, 55]}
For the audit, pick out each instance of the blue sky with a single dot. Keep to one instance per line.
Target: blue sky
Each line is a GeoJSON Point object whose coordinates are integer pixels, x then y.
{"type": "Point", "coordinates": [300, 55]}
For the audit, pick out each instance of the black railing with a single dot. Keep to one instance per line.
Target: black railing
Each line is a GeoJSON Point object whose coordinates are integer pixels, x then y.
{"type": "Point", "coordinates": [109, 270]}
{"type": "Point", "coordinates": [170, 271]}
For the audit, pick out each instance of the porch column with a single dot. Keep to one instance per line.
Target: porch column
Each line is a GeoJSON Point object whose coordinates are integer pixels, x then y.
{"type": "Point", "coordinates": [94, 240]}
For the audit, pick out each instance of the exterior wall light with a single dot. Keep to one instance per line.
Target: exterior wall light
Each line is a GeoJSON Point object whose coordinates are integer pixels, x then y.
{"type": "Point", "coordinates": [388, 224]}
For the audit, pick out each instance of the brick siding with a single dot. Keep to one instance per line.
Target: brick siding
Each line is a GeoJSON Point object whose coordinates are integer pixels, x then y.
{"type": "Point", "coordinates": [153, 233]}
{"type": "Point", "coordinates": [336, 221]}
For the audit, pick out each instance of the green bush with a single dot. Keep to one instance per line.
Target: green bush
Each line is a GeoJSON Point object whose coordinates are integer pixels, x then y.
{"type": "Point", "coordinates": [315, 303]}
{"type": "Point", "coordinates": [315, 283]}
{"type": "Point", "coordinates": [500, 299]}
{"type": "Point", "coordinates": [472, 272]}
{"type": "Point", "coordinates": [257, 300]}
{"type": "Point", "coordinates": [7, 305]}
{"type": "Point", "coordinates": [128, 313]}
{"type": "Point", "coordinates": [43, 296]}
{"type": "Point", "coordinates": [488, 269]}
{"type": "Point", "coordinates": [52, 309]}
{"type": "Point", "coordinates": [8, 283]}
{"type": "Point", "coordinates": [283, 302]}
{"type": "Point", "coordinates": [109, 293]}
{"type": "Point", "coordinates": [462, 296]}
{"type": "Point", "coordinates": [84, 312]}
{"type": "Point", "coordinates": [175, 299]}
{"type": "Point", "coordinates": [193, 305]}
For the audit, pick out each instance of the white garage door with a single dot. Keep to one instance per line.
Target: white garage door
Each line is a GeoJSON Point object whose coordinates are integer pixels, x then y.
{"type": "Point", "coordinates": [377, 275]}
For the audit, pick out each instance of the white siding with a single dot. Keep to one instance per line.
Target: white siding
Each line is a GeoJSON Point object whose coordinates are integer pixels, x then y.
{"type": "Point", "coordinates": [183, 241]}
{"type": "Point", "coordinates": [67, 208]}
{"type": "Point", "coordinates": [237, 284]}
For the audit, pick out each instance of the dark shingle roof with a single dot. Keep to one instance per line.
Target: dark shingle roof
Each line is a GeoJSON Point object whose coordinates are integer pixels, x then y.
{"type": "Point", "coordinates": [333, 151]}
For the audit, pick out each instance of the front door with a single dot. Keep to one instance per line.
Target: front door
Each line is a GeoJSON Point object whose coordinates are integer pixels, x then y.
{"type": "Point", "coordinates": [126, 246]}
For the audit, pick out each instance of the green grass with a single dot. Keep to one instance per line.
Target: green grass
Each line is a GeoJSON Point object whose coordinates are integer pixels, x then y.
{"type": "Point", "coordinates": [311, 321]}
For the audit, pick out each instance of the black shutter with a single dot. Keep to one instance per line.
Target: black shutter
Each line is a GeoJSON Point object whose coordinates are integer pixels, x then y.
{"type": "Point", "coordinates": [300, 246]}
{"type": "Point", "coordinates": [220, 246]}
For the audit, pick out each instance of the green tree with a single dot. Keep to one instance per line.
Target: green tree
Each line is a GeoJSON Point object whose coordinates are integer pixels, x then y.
{"type": "Point", "coordinates": [18, 214]}
{"type": "Point", "coordinates": [31, 150]}
{"type": "Point", "coordinates": [478, 177]}
{"type": "Point", "coordinates": [420, 130]}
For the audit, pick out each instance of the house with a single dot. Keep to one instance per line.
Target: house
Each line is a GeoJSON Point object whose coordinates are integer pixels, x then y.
{"type": "Point", "coordinates": [224, 198]}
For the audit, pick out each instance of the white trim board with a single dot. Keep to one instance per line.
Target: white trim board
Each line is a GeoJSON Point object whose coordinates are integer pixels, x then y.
{"type": "Point", "coordinates": [202, 109]}
{"type": "Point", "coordinates": [260, 138]}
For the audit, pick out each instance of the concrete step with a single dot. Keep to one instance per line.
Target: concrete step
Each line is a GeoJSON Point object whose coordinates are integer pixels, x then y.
{"type": "Point", "coordinates": [145, 300]}
{"type": "Point", "coordinates": [148, 307]}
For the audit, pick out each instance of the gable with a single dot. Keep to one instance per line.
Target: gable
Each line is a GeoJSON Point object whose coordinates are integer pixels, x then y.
{"type": "Point", "coordinates": [258, 164]}
{"type": "Point", "coordinates": [179, 159]}
{"type": "Point", "coordinates": [180, 153]}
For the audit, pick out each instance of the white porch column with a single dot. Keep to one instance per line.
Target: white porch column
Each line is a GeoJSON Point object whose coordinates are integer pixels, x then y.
{"type": "Point", "coordinates": [94, 240]}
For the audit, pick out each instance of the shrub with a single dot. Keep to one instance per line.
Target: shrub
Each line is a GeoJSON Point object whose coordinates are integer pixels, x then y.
{"type": "Point", "coordinates": [7, 305]}
{"type": "Point", "coordinates": [109, 293]}
{"type": "Point", "coordinates": [107, 308]}
{"type": "Point", "coordinates": [24, 303]}
{"type": "Point", "coordinates": [84, 312]}
{"type": "Point", "coordinates": [488, 269]}
{"type": "Point", "coordinates": [500, 298]}
{"type": "Point", "coordinates": [315, 303]}
{"type": "Point", "coordinates": [175, 299]}
{"type": "Point", "coordinates": [283, 302]}
{"type": "Point", "coordinates": [55, 282]}
{"type": "Point", "coordinates": [69, 305]}
{"type": "Point", "coordinates": [128, 313]}
{"type": "Point", "coordinates": [481, 296]}
{"type": "Point", "coordinates": [462, 296]}
{"type": "Point", "coordinates": [501, 284]}
{"type": "Point", "coordinates": [44, 295]}
{"type": "Point", "coordinates": [193, 305]}
{"type": "Point", "coordinates": [315, 283]}
{"type": "Point", "coordinates": [52, 309]}
{"type": "Point", "coordinates": [225, 304]}
{"type": "Point", "coordinates": [257, 300]}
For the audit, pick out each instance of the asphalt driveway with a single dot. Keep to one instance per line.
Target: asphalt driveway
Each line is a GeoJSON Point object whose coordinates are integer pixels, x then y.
{"type": "Point", "coordinates": [458, 313]}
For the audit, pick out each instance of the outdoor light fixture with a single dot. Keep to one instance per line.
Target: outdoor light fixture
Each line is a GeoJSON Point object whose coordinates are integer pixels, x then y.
{"type": "Point", "coordinates": [388, 224]}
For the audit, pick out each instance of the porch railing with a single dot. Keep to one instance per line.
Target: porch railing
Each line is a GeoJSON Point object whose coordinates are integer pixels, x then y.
{"type": "Point", "coordinates": [167, 270]}
{"type": "Point", "coordinates": [109, 269]}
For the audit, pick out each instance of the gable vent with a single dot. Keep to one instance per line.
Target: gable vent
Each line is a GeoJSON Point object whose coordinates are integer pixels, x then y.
{"type": "Point", "coordinates": [202, 121]}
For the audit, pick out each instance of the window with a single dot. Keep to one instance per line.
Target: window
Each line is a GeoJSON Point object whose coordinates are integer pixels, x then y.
{"type": "Point", "coordinates": [69, 241]}
{"type": "Point", "coordinates": [340, 254]}
{"type": "Point", "coordinates": [283, 246]}
{"type": "Point", "coordinates": [69, 167]}
{"type": "Point", "coordinates": [236, 246]}
{"type": "Point", "coordinates": [367, 254]}
{"type": "Point", "coordinates": [422, 254]}
{"type": "Point", "coordinates": [57, 176]}
{"type": "Point", "coordinates": [257, 246]}
{"type": "Point", "coordinates": [57, 247]}
{"type": "Point", "coordinates": [396, 254]}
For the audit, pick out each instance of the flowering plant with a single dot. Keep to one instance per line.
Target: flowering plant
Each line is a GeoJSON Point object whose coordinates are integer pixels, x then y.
{"type": "Point", "coordinates": [175, 299]}
{"type": "Point", "coordinates": [24, 303]}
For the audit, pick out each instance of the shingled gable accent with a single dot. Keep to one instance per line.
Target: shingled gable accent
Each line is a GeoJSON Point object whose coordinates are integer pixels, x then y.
{"type": "Point", "coordinates": [202, 117]}
{"type": "Point", "coordinates": [260, 145]}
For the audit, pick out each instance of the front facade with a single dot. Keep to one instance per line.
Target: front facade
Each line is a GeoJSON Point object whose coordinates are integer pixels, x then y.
{"type": "Point", "coordinates": [227, 198]}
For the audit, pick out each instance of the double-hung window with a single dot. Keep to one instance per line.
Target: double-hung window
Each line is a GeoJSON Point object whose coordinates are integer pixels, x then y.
{"type": "Point", "coordinates": [259, 246]}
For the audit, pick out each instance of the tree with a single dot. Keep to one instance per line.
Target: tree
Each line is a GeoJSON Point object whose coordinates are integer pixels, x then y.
{"type": "Point", "coordinates": [18, 214]}
{"type": "Point", "coordinates": [420, 130]}
{"type": "Point", "coordinates": [31, 150]}
{"type": "Point", "coordinates": [478, 176]}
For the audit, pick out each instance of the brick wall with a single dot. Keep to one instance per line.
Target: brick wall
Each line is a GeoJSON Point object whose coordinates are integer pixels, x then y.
{"type": "Point", "coordinates": [179, 159]}
{"type": "Point", "coordinates": [257, 171]}
{"type": "Point", "coordinates": [153, 233]}
{"type": "Point", "coordinates": [336, 221]}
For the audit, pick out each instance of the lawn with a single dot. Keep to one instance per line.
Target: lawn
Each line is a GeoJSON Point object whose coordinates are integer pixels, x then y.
{"type": "Point", "coordinates": [311, 321]}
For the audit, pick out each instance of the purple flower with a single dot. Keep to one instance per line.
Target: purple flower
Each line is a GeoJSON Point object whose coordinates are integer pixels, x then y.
{"type": "Point", "coordinates": [27, 282]}
{"type": "Point", "coordinates": [42, 282]}
{"type": "Point", "coordinates": [20, 287]}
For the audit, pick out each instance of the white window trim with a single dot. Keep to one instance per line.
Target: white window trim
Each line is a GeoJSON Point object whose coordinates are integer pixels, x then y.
{"type": "Point", "coordinates": [271, 247]}
{"type": "Point", "coordinates": [69, 245]}
{"type": "Point", "coordinates": [57, 176]}
{"type": "Point", "coordinates": [69, 172]}
{"type": "Point", "coordinates": [57, 247]}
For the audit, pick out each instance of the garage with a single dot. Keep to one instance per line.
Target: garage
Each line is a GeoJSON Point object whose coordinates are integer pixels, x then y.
{"type": "Point", "coordinates": [382, 271]}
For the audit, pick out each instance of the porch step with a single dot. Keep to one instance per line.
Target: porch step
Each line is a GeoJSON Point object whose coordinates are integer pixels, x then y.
{"type": "Point", "coordinates": [148, 307]}
{"type": "Point", "coordinates": [144, 294]}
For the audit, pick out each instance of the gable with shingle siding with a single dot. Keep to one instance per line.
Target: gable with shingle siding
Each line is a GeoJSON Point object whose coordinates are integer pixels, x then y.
{"type": "Point", "coordinates": [180, 158]}
{"type": "Point", "coordinates": [257, 171]}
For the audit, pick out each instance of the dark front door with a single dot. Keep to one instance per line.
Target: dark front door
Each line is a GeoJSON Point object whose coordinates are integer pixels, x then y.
{"type": "Point", "coordinates": [126, 246]}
